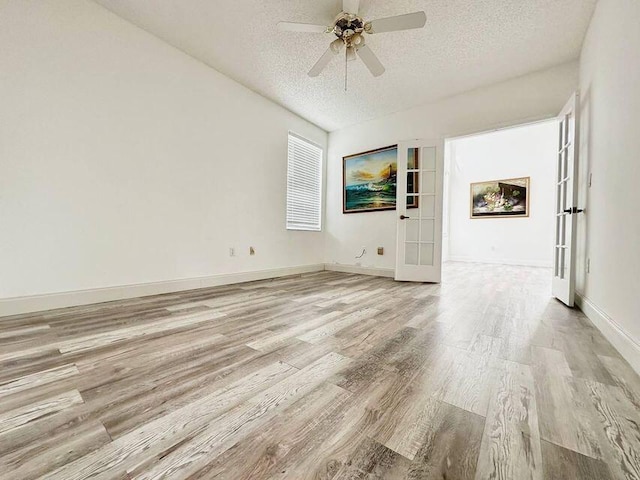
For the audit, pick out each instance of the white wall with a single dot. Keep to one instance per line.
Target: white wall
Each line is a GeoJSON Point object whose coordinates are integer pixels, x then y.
{"type": "Point", "coordinates": [124, 161]}
{"type": "Point", "coordinates": [609, 230]}
{"type": "Point", "coordinates": [526, 151]}
{"type": "Point", "coordinates": [532, 97]}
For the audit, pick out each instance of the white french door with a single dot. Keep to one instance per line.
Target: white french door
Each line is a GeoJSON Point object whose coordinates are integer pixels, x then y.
{"type": "Point", "coordinates": [563, 287]}
{"type": "Point", "coordinates": [419, 211]}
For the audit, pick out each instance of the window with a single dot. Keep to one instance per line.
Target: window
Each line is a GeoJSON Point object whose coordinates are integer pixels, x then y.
{"type": "Point", "coordinates": [304, 184]}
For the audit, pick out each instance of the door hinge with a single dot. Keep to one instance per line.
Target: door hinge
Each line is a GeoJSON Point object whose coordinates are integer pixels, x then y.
{"type": "Point", "coordinates": [573, 210]}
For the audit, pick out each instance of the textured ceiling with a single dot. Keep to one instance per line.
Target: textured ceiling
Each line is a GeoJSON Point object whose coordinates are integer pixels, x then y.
{"type": "Point", "coordinates": [465, 44]}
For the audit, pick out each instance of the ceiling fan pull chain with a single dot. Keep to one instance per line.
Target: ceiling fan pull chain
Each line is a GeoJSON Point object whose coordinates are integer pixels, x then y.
{"type": "Point", "coordinates": [346, 67]}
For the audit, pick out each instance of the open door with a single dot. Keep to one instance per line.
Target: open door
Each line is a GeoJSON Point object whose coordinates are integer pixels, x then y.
{"type": "Point", "coordinates": [564, 263]}
{"type": "Point", "coordinates": [419, 210]}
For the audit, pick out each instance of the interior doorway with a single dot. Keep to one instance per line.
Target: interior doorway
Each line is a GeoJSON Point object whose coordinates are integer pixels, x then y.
{"type": "Point", "coordinates": [499, 196]}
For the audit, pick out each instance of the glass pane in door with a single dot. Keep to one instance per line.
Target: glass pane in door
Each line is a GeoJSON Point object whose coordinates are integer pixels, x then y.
{"type": "Point", "coordinates": [427, 206]}
{"type": "Point", "coordinates": [427, 230]}
{"type": "Point", "coordinates": [412, 230]}
{"type": "Point", "coordinates": [412, 158]}
{"type": "Point", "coordinates": [426, 254]}
{"type": "Point", "coordinates": [429, 159]}
{"type": "Point", "coordinates": [412, 182]}
{"type": "Point", "coordinates": [411, 253]}
{"type": "Point", "coordinates": [428, 182]}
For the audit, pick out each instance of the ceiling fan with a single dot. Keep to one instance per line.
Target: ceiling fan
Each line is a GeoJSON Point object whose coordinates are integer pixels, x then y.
{"type": "Point", "coordinates": [349, 28]}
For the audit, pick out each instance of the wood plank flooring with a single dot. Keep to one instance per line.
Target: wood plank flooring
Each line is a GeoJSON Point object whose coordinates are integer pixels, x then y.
{"type": "Point", "coordinates": [320, 376]}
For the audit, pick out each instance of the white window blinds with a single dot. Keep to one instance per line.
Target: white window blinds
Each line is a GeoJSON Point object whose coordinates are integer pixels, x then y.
{"type": "Point", "coordinates": [304, 184]}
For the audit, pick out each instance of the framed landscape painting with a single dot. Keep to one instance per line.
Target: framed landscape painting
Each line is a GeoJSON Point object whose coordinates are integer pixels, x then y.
{"type": "Point", "coordinates": [369, 181]}
{"type": "Point", "coordinates": [500, 198]}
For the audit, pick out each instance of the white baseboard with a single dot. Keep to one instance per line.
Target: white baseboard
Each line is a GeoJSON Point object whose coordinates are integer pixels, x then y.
{"type": "Point", "coordinates": [619, 338]}
{"type": "Point", "coordinates": [377, 272]}
{"type": "Point", "coordinates": [36, 303]}
{"type": "Point", "coordinates": [508, 261]}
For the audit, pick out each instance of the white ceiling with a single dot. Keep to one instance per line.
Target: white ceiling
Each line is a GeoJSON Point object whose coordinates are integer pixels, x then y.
{"type": "Point", "coordinates": [465, 44]}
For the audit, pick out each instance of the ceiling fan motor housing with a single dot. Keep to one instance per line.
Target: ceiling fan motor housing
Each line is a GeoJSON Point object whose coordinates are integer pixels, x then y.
{"type": "Point", "coordinates": [348, 28]}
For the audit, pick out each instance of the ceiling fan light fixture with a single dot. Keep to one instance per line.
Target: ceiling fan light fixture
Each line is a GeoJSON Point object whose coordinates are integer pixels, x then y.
{"type": "Point", "coordinates": [336, 46]}
{"type": "Point", "coordinates": [351, 54]}
{"type": "Point", "coordinates": [357, 40]}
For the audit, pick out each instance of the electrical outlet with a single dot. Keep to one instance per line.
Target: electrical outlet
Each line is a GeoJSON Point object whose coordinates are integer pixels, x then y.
{"type": "Point", "coordinates": [252, 251]}
{"type": "Point", "coordinates": [232, 252]}
{"type": "Point", "coordinates": [380, 250]}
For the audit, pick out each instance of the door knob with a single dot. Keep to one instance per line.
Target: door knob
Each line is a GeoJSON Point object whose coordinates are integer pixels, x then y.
{"type": "Point", "coordinates": [402, 217]}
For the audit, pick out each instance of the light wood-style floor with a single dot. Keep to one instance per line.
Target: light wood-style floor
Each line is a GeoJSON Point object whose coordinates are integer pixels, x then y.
{"type": "Point", "coordinates": [325, 375]}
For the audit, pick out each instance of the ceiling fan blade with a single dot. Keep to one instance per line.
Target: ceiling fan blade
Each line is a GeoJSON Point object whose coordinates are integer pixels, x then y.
{"type": "Point", "coordinates": [371, 61]}
{"type": "Point", "coordinates": [302, 27]}
{"type": "Point", "coordinates": [399, 22]}
{"type": "Point", "coordinates": [322, 62]}
{"type": "Point", "coordinates": [350, 6]}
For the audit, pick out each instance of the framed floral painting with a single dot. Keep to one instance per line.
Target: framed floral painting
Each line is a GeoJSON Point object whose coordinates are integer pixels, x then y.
{"type": "Point", "coordinates": [500, 198]}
